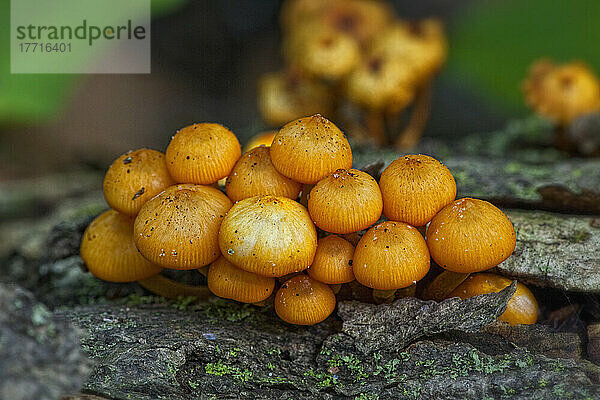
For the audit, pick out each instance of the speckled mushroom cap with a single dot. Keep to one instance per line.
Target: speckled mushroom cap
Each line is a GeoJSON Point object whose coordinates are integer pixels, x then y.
{"type": "Point", "coordinates": [269, 236]}
{"type": "Point", "coordinates": [522, 308]}
{"type": "Point", "coordinates": [255, 175]}
{"type": "Point", "coordinates": [414, 188]}
{"type": "Point", "coordinates": [346, 201]}
{"type": "Point", "coordinates": [420, 44]}
{"type": "Point", "coordinates": [333, 261]}
{"type": "Point", "coordinates": [302, 300]}
{"type": "Point", "coordinates": [391, 255]}
{"type": "Point", "coordinates": [202, 153]}
{"type": "Point", "coordinates": [381, 83]}
{"type": "Point", "coordinates": [179, 228]}
{"type": "Point", "coordinates": [228, 281]}
{"type": "Point", "coordinates": [108, 250]}
{"type": "Point", "coordinates": [470, 235]}
{"type": "Point", "coordinates": [135, 177]}
{"type": "Point", "coordinates": [310, 148]}
{"type": "Point", "coordinates": [562, 93]}
{"type": "Point", "coordinates": [285, 96]}
{"type": "Point", "coordinates": [263, 138]}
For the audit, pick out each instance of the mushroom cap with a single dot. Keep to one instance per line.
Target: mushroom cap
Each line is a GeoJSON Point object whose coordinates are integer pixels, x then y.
{"type": "Point", "coordinates": [328, 54]}
{"type": "Point", "coordinates": [269, 236]}
{"type": "Point", "coordinates": [381, 83]}
{"type": "Point", "coordinates": [420, 44]}
{"type": "Point", "coordinates": [345, 201]}
{"type": "Point", "coordinates": [391, 255]}
{"type": "Point", "coordinates": [228, 281]}
{"type": "Point", "coordinates": [108, 250]}
{"type": "Point", "coordinates": [310, 148]}
{"type": "Point", "coordinates": [333, 261]}
{"type": "Point", "coordinates": [361, 19]}
{"type": "Point", "coordinates": [285, 96]}
{"type": "Point", "coordinates": [263, 138]}
{"type": "Point", "coordinates": [134, 178]}
{"type": "Point", "coordinates": [415, 188]}
{"type": "Point", "coordinates": [562, 93]}
{"type": "Point", "coordinates": [522, 308]}
{"type": "Point", "coordinates": [255, 175]}
{"type": "Point", "coordinates": [470, 235]}
{"type": "Point", "coordinates": [179, 228]}
{"type": "Point", "coordinates": [202, 153]}
{"type": "Point", "coordinates": [302, 300]}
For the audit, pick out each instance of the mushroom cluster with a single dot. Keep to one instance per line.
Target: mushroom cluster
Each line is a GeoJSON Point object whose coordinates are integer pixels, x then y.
{"type": "Point", "coordinates": [569, 96]}
{"type": "Point", "coordinates": [287, 225]}
{"type": "Point", "coordinates": [354, 52]}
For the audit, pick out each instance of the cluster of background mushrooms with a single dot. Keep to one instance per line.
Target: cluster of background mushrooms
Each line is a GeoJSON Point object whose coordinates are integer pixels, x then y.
{"type": "Point", "coordinates": [346, 56]}
{"type": "Point", "coordinates": [290, 220]}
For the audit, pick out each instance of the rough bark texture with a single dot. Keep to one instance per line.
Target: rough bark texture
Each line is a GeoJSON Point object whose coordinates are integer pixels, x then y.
{"type": "Point", "coordinates": [555, 250]}
{"type": "Point", "coordinates": [223, 350]}
{"type": "Point", "coordinates": [40, 353]}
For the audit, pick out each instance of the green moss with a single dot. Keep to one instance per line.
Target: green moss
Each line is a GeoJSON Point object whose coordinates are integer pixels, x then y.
{"type": "Point", "coordinates": [323, 380]}
{"type": "Point", "coordinates": [580, 236]}
{"type": "Point", "coordinates": [351, 362]}
{"type": "Point", "coordinates": [367, 396]}
{"type": "Point", "coordinates": [274, 351]}
{"type": "Point", "coordinates": [221, 369]}
{"type": "Point", "coordinates": [234, 352]}
{"type": "Point", "coordinates": [183, 302]}
{"type": "Point", "coordinates": [224, 310]}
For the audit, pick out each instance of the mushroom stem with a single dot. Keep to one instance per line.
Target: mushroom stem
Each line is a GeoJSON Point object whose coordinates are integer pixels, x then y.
{"type": "Point", "coordinates": [420, 113]}
{"type": "Point", "coordinates": [170, 289]}
{"type": "Point", "coordinates": [407, 291]}
{"type": "Point", "coordinates": [336, 288]}
{"type": "Point", "coordinates": [376, 127]}
{"type": "Point", "coordinates": [384, 296]}
{"type": "Point", "coordinates": [443, 284]}
{"type": "Point", "coordinates": [306, 188]}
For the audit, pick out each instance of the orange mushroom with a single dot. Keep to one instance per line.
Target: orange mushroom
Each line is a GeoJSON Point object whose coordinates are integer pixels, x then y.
{"type": "Point", "coordinates": [310, 148]}
{"type": "Point", "coordinates": [135, 177]}
{"type": "Point", "coordinates": [415, 188]}
{"type": "Point", "coordinates": [179, 228]}
{"type": "Point", "coordinates": [285, 96]}
{"type": "Point", "coordinates": [269, 236]}
{"type": "Point", "coordinates": [391, 255]}
{"type": "Point", "coordinates": [345, 201]}
{"type": "Point", "coordinates": [327, 53]}
{"type": "Point", "coordinates": [254, 175]}
{"type": "Point", "coordinates": [202, 153]}
{"type": "Point", "coordinates": [522, 307]}
{"type": "Point", "coordinates": [470, 235]}
{"type": "Point", "coordinates": [263, 138]}
{"type": "Point", "coordinates": [228, 281]}
{"type": "Point", "coordinates": [304, 301]}
{"type": "Point", "coordinates": [333, 261]}
{"type": "Point", "coordinates": [564, 92]}
{"type": "Point", "coordinates": [419, 44]}
{"type": "Point", "coordinates": [109, 253]}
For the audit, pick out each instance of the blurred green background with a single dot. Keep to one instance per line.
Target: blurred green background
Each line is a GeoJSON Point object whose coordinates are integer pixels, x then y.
{"type": "Point", "coordinates": [207, 56]}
